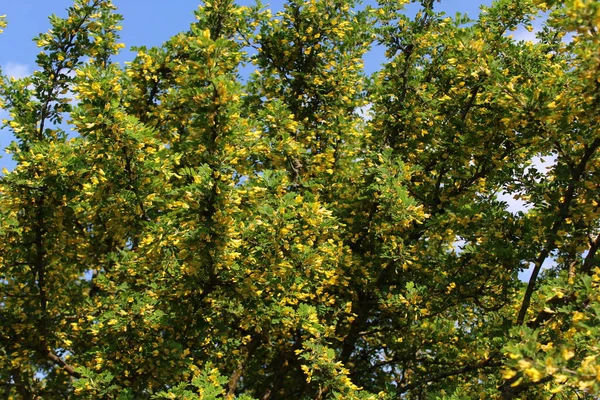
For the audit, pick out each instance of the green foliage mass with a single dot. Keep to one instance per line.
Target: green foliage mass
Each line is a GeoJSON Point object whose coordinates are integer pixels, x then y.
{"type": "Point", "coordinates": [309, 231]}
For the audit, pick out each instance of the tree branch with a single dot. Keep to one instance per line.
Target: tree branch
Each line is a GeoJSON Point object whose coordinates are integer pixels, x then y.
{"type": "Point", "coordinates": [563, 213]}
{"type": "Point", "coordinates": [237, 374]}
{"type": "Point", "coordinates": [588, 263]}
{"type": "Point", "coordinates": [69, 369]}
{"type": "Point", "coordinates": [442, 375]}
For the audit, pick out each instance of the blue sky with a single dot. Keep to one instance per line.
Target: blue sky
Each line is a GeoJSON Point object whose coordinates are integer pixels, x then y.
{"type": "Point", "coordinates": [146, 22]}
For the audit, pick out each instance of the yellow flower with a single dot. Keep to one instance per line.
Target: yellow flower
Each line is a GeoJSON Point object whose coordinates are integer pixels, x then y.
{"type": "Point", "coordinates": [533, 374]}
{"type": "Point", "coordinates": [568, 354]}
{"type": "Point", "coordinates": [508, 373]}
{"type": "Point", "coordinates": [578, 316]}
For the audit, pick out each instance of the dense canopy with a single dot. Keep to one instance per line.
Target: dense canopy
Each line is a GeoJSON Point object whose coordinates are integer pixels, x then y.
{"type": "Point", "coordinates": [176, 227]}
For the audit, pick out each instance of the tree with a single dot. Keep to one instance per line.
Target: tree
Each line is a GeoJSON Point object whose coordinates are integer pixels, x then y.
{"type": "Point", "coordinates": [308, 231]}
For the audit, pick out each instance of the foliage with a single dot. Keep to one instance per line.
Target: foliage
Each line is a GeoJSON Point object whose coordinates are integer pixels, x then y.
{"type": "Point", "coordinates": [309, 230]}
